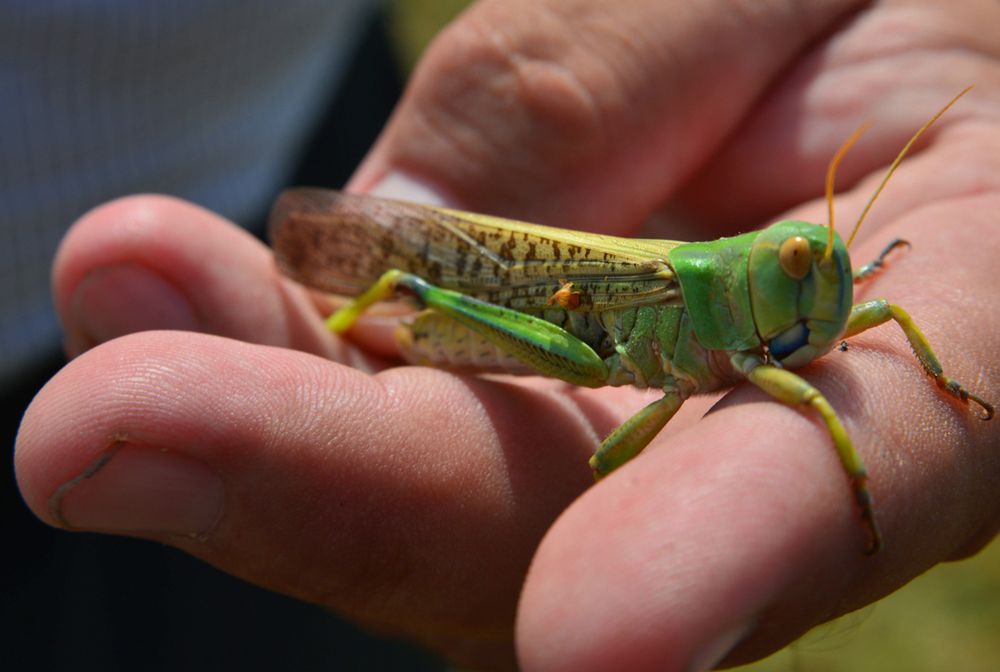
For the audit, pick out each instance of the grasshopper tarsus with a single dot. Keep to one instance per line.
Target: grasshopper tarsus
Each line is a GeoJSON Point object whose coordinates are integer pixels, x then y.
{"type": "Point", "coordinates": [878, 263]}
{"type": "Point", "coordinates": [988, 410]}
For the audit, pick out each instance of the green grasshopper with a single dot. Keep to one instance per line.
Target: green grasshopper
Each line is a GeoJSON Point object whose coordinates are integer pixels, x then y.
{"type": "Point", "coordinates": [597, 310]}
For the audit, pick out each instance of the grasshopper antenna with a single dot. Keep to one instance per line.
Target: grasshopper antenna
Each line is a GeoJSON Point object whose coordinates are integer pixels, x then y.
{"type": "Point", "coordinates": [892, 168]}
{"type": "Point", "coordinates": [831, 173]}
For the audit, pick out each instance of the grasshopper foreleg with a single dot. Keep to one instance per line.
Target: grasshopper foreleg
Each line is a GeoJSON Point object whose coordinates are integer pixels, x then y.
{"type": "Point", "coordinates": [545, 347]}
{"type": "Point", "coordinates": [872, 267]}
{"type": "Point", "coordinates": [870, 314]}
{"type": "Point", "coordinates": [792, 389]}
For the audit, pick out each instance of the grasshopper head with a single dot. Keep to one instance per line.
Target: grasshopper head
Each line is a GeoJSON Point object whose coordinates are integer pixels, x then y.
{"type": "Point", "coordinates": [800, 294]}
{"type": "Point", "coordinates": [799, 273]}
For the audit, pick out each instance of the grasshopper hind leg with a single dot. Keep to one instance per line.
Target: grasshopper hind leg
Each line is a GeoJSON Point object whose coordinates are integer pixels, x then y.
{"type": "Point", "coordinates": [545, 347]}
{"type": "Point", "coordinates": [433, 339]}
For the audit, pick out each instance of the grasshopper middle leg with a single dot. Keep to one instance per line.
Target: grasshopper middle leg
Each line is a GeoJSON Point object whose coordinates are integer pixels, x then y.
{"type": "Point", "coordinates": [541, 345]}
{"type": "Point", "coordinates": [634, 434]}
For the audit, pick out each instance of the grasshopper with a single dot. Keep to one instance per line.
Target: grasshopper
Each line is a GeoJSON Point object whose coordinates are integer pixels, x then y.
{"type": "Point", "coordinates": [597, 310]}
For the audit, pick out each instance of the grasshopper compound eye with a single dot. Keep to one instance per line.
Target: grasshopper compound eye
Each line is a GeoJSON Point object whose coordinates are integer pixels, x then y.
{"type": "Point", "coordinates": [795, 257]}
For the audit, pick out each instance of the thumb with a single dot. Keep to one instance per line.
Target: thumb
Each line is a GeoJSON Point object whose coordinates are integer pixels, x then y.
{"type": "Point", "coordinates": [584, 114]}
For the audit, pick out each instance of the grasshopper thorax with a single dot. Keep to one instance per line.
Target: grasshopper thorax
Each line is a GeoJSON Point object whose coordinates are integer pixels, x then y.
{"type": "Point", "coordinates": [800, 295]}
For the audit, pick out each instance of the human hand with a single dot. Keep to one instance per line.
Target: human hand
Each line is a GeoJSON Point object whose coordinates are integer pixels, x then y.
{"type": "Point", "coordinates": [413, 500]}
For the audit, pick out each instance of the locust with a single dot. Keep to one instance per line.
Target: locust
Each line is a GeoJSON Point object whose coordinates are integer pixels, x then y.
{"type": "Point", "coordinates": [594, 310]}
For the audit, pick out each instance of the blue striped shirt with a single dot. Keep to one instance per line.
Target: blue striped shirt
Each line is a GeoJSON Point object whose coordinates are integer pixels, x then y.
{"type": "Point", "coordinates": [210, 101]}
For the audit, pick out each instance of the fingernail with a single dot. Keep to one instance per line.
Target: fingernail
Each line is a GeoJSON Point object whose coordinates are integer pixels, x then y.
{"type": "Point", "coordinates": [141, 490]}
{"type": "Point", "coordinates": [404, 187]}
{"type": "Point", "coordinates": [713, 654]}
{"type": "Point", "coordinates": [117, 300]}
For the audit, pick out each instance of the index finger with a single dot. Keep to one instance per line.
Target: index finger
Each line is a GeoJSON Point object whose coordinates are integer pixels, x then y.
{"type": "Point", "coordinates": [524, 109]}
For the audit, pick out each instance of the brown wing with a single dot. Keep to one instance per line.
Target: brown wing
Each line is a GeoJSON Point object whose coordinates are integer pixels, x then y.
{"type": "Point", "coordinates": [341, 243]}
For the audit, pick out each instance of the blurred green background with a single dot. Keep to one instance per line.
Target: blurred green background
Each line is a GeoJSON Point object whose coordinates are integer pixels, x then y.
{"type": "Point", "coordinates": [948, 619]}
